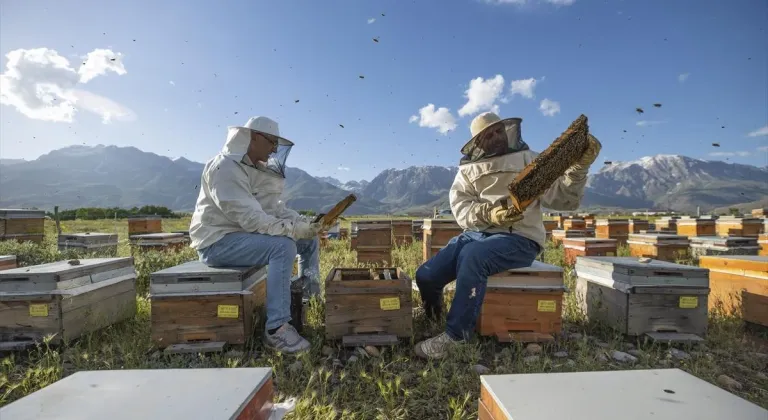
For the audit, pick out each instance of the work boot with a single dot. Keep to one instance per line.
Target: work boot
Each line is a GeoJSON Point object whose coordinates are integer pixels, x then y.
{"type": "Point", "coordinates": [286, 340]}
{"type": "Point", "coordinates": [436, 347]}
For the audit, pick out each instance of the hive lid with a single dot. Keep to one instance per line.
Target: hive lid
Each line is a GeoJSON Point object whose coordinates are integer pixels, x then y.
{"type": "Point", "coordinates": [21, 214]}
{"type": "Point", "coordinates": [537, 275]}
{"type": "Point", "coordinates": [607, 222]}
{"type": "Point", "coordinates": [734, 241]}
{"type": "Point", "coordinates": [658, 238]}
{"type": "Point", "coordinates": [589, 241]}
{"type": "Point", "coordinates": [688, 222]}
{"type": "Point", "coordinates": [6, 258]}
{"type": "Point", "coordinates": [623, 273]}
{"type": "Point", "coordinates": [88, 235]}
{"type": "Point", "coordinates": [195, 276]}
{"type": "Point", "coordinates": [144, 217]}
{"type": "Point", "coordinates": [157, 236]}
{"type": "Point", "coordinates": [173, 394]}
{"type": "Point", "coordinates": [660, 394]}
{"type": "Point", "coordinates": [63, 275]}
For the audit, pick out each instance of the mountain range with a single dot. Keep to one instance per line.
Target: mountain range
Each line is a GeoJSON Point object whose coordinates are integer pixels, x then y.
{"type": "Point", "coordinates": [111, 176]}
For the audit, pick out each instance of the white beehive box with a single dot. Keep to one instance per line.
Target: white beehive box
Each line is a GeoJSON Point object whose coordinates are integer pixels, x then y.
{"type": "Point", "coordinates": [168, 394]}
{"type": "Point", "coordinates": [89, 242]}
{"type": "Point", "coordinates": [716, 245]}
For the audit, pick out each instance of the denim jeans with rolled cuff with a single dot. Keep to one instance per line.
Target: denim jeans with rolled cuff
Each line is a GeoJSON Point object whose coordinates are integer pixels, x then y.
{"type": "Point", "coordinates": [469, 259]}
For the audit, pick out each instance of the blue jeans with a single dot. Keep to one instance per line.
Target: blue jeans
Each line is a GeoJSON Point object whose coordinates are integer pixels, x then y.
{"type": "Point", "coordinates": [470, 258]}
{"type": "Point", "coordinates": [240, 249]}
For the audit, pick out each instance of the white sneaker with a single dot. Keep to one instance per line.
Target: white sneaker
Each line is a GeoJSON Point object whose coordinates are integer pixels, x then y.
{"type": "Point", "coordinates": [286, 340]}
{"type": "Point", "coordinates": [436, 347]}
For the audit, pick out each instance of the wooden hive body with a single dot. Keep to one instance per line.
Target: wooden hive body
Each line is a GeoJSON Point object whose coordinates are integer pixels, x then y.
{"type": "Point", "coordinates": [558, 235]}
{"type": "Point", "coordinates": [22, 225]}
{"type": "Point", "coordinates": [759, 212]}
{"type": "Point", "coordinates": [171, 394]}
{"type": "Point", "coordinates": [659, 394]}
{"type": "Point", "coordinates": [763, 243]}
{"type": "Point", "coordinates": [523, 304]}
{"type": "Point", "coordinates": [89, 242]}
{"type": "Point", "coordinates": [591, 247]}
{"type": "Point", "coordinates": [417, 226]}
{"type": "Point", "coordinates": [139, 225]}
{"type": "Point", "coordinates": [158, 241]}
{"type": "Point", "coordinates": [636, 225]}
{"type": "Point", "coordinates": [668, 224]}
{"type": "Point", "coordinates": [612, 229]}
{"type": "Point", "coordinates": [589, 219]}
{"type": "Point", "coordinates": [575, 224]}
{"type": "Point", "coordinates": [739, 226]}
{"type": "Point", "coordinates": [374, 241]}
{"type": "Point", "coordinates": [696, 227]}
{"type": "Point", "coordinates": [402, 232]}
{"type": "Point", "coordinates": [368, 306]}
{"type": "Point", "coordinates": [7, 262]}
{"type": "Point", "coordinates": [718, 245]}
{"type": "Point", "coordinates": [660, 299]}
{"type": "Point", "coordinates": [660, 246]}
{"type": "Point", "coordinates": [64, 299]}
{"type": "Point", "coordinates": [437, 234]}
{"type": "Point", "coordinates": [739, 285]}
{"type": "Point", "coordinates": [194, 303]}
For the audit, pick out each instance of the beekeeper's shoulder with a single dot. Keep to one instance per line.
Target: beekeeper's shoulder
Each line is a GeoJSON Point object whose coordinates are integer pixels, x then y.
{"type": "Point", "coordinates": [224, 167]}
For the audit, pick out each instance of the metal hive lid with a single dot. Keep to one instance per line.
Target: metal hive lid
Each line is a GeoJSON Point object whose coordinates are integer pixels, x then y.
{"type": "Point", "coordinates": [21, 214]}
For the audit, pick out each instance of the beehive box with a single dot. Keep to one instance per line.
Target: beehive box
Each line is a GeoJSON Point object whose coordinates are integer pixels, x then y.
{"type": "Point", "coordinates": [659, 394]}
{"type": "Point", "coordinates": [662, 300]}
{"type": "Point", "coordinates": [660, 246]}
{"type": "Point", "coordinates": [739, 226]}
{"type": "Point", "coordinates": [368, 306]}
{"type": "Point", "coordinates": [696, 227]}
{"type": "Point", "coordinates": [194, 303]}
{"type": "Point", "coordinates": [636, 225]}
{"type": "Point", "coordinates": [733, 277]}
{"type": "Point", "coordinates": [402, 232]}
{"type": "Point", "coordinates": [592, 247]}
{"type": "Point", "coordinates": [759, 212]}
{"type": "Point", "coordinates": [140, 225]}
{"type": "Point", "coordinates": [374, 241]}
{"type": "Point", "coordinates": [437, 234]}
{"type": "Point", "coordinates": [22, 225]}
{"type": "Point", "coordinates": [549, 226]}
{"type": "Point", "coordinates": [667, 223]}
{"type": "Point", "coordinates": [7, 262]}
{"type": "Point", "coordinates": [763, 243]}
{"type": "Point", "coordinates": [612, 229]}
{"type": "Point", "coordinates": [523, 304]}
{"type": "Point", "coordinates": [171, 394]}
{"type": "Point", "coordinates": [418, 229]}
{"type": "Point", "coordinates": [89, 242]}
{"type": "Point", "coordinates": [157, 241]}
{"type": "Point", "coordinates": [716, 245]}
{"type": "Point", "coordinates": [558, 235]}
{"type": "Point", "coordinates": [65, 298]}
{"type": "Point", "coordinates": [575, 224]}
{"type": "Point", "coordinates": [187, 238]}
{"type": "Point", "coordinates": [589, 219]}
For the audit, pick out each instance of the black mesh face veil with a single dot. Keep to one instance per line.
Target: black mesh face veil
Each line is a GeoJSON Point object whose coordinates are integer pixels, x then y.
{"type": "Point", "coordinates": [276, 161]}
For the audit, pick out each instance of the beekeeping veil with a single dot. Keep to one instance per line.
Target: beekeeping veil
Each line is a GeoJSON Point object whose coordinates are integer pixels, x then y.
{"type": "Point", "coordinates": [491, 137]}
{"type": "Point", "coordinates": [239, 137]}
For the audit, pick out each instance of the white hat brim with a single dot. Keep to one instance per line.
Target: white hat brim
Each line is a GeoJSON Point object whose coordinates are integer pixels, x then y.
{"type": "Point", "coordinates": [282, 141]}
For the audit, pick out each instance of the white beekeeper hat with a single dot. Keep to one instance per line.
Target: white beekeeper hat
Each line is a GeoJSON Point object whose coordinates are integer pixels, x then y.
{"type": "Point", "coordinates": [482, 121]}
{"type": "Point", "coordinates": [266, 126]}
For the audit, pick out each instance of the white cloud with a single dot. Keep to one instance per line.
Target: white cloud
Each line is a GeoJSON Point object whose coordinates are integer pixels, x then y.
{"type": "Point", "coordinates": [342, 168]}
{"type": "Point", "coordinates": [523, 87]}
{"type": "Point", "coordinates": [683, 77]}
{"type": "Point", "coordinates": [441, 119]}
{"type": "Point", "coordinates": [645, 123]}
{"type": "Point", "coordinates": [730, 154]}
{"type": "Point", "coordinates": [762, 149]}
{"type": "Point", "coordinates": [41, 84]}
{"type": "Point", "coordinates": [371, 20]}
{"type": "Point", "coordinates": [549, 107]}
{"type": "Point", "coordinates": [482, 95]}
{"type": "Point", "coordinates": [172, 83]}
{"type": "Point", "coordinates": [762, 131]}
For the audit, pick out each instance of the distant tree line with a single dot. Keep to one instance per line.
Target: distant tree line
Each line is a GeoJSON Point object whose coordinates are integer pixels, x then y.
{"type": "Point", "coordinates": [95, 213]}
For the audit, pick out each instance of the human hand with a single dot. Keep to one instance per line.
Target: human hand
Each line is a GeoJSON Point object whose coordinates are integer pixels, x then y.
{"type": "Point", "coordinates": [305, 230]}
{"type": "Point", "coordinates": [590, 155]}
{"type": "Point", "coordinates": [499, 214]}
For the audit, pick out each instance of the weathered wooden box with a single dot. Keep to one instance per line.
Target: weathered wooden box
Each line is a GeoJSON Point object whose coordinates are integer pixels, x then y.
{"type": "Point", "coordinates": [660, 246]}
{"type": "Point", "coordinates": [636, 225]}
{"type": "Point", "coordinates": [762, 241]}
{"type": "Point", "coordinates": [696, 227]}
{"type": "Point", "coordinates": [717, 245]}
{"type": "Point", "coordinates": [549, 226]}
{"type": "Point", "coordinates": [368, 306]}
{"type": "Point", "coordinates": [139, 225]}
{"type": "Point", "coordinates": [194, 303]}
{"type": "Point", "coordinates": [612, 229]}
{"type": "Point", "coordinates": [170, 394]}
{"type": "Point", "coordinates": [105, 243]}
{"type": "Point", "coordinates": [575, 224]}
{"type": "Point", "coordinates": [157, 241]}
{"type": "Point", "coordinates": [523, 304]}
{"type": "Point", "coordinates": [739, 226]}
{"type": "Point", "coordinates": [380, 255]}
{"type": "Point", "coordinates": [437, 234]}
{"type": "Point", "coordinates": [592, 247]}
{"type": "Point", "coordinates": [7, 262]}
{"type": "Point", "coordinates": [663, 300]}
{"type": "Point", "coordinates": [659, 394]}
{"type": "Point", "coordinates": [187, 238]}
{"type": "Point", "coordinates": [65, 298]}
{"type": "Point", "coordinates": [22, 225]}
{"type": "Point", "coordinates": [374, 241]}
{"type": "Point", "coordinates": [667, 223]}
{"type": "Point", "coordinates": [558, 235]}
{"type": "Point", "coordinates": [759, 212]}
{"type": "Point", "coordinates": [589, 219]}
{"type": "Point", "coordinates": [732, 276]}
{"type": "Point", "coordinates": [402, 232]}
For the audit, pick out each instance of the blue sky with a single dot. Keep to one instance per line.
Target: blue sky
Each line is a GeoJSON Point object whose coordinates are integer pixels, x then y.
{"type": "Point", "coordinates": [183, 69]}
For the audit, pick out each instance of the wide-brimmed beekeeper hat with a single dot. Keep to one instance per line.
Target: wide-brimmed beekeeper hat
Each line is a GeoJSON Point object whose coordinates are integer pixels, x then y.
{"type": "Point", "coordinates": [491, 137]}
{"type": "Point", "coordinates": [266, 126]}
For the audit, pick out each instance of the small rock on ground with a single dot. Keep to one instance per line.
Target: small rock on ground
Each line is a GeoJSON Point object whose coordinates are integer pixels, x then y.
{"type": "Point", "coordinates": [352, 359]}
{"type": "Point", "coordinates": [679, 354]}
{"type": "Point", "coordinates": [296, 366]}
{"type": "Point", "coordinates": [560, 354]}
{"type": "Point", "coordinates": [729, 383]}
{"type": "Point", "coordinates": [575, 336]}
{"type": "Point", "coordinates": [601, 357]}
{"type": "Point", "coordinates": [602, 344]}
{"type": "Point", "coordinates": [620, 356]}
{"type": "Point", "coordinates": [531, 359]}
{"type": "Point", "coordinates": [480, 369]}
{"type": "Point", "coordinates": [361, 352]}
{"type": "Point", "coordinates": [761, 375]}
{"type": "Point", "coordinates": [327, 351]}
{"type": "Point", "coordinates": [533, 348]}
{"type": "Point", "coordinates": [372, 351]}
{"type": "Point", "coordinates": [636, 353]}
{"type": "Point", "coordinates": [570, 362]}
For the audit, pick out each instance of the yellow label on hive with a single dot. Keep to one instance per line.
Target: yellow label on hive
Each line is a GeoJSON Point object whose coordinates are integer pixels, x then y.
{"type": "Point", "coordinates": [228, 311]}
{"type": "Point", "coordinates": [546, 306]}
{"type": "Point", "coordinates": [38, 309]}
{"type": "Point", "coordinates": [389, 304]}
{"type": "Point", "coordinates": [689, 302]}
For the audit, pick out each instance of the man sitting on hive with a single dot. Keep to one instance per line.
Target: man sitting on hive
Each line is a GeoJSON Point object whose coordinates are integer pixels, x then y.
{"type": "Point", "coordinates": [495, 238]}
{"type": "Point", "coordinates": [240, 220]}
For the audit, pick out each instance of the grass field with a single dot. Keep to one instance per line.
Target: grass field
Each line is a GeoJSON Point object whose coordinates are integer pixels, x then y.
{"type": "Point", "coordinates": [393, 385]}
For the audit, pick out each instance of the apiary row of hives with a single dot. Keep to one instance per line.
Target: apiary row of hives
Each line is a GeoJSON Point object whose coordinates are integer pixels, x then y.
{"type": "Point", "coordinates": [374, 239]}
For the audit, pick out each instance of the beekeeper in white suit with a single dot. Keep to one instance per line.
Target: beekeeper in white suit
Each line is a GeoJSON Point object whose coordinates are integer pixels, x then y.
{"type": "Point", "coordinates": [240, 220]}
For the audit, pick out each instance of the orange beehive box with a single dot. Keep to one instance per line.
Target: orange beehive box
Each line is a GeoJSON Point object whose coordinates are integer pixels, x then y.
{"type": "Point", "coordinates": [696, 227]}
{"type": "Point", "coordinates": [664, 247]}
{"type": "Point", "coordinates": [636, 225]}
{"type": "Point", "coordinates": [22, 225]}
{"type": "Point", "coordinates": [739, 285]}
{"type": "Point", "coordinates": [763, 242]}
{"type": "Point", "coordinates": [760, 213]}
{"type": "Point", "coordinates": [748, 227]}
{"type": "Point", "coordinates": [612, 229]}
{"type": "Point", "coordinates": [558, 235]}
{"type": "Point", "coordinates": [589, 219]}
{"type": "Point", "coordinates": [437, 233]}
{"type": "Point", "coordinates": [575, 224]}
{"type": "Point", "coordinates": [139, 225]}
{"type": "Point", "coordinates": [667, 223]}
{"type": "Point", "coordinates": [591, 247]}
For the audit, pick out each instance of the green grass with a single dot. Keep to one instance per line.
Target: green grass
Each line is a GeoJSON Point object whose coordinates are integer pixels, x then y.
{"type": "Point", "coordinates": [395, 385]}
